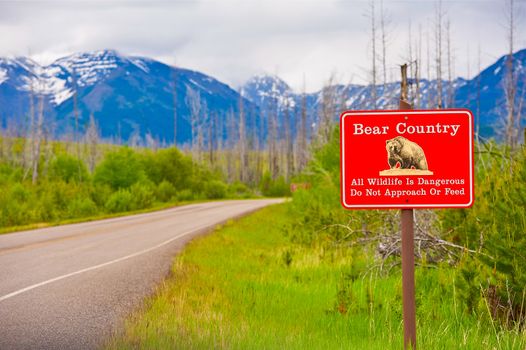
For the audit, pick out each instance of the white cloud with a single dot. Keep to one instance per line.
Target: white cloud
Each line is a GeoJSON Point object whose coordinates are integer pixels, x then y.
{"type": "Point", "coordinates": [234, 39]}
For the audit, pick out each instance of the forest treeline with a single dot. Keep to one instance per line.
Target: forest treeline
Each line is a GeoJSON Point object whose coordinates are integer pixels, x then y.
{"type": "Point", "coordinates": [66, 180]}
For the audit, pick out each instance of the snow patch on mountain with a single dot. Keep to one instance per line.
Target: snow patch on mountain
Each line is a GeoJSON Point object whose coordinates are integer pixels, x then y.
{"type": "Point", "coordinates": [199, 86]}
{"type": "Point", "coordinates": [89, 68]}
{"type": "Point", "coordinates": [268, 91]}
{"type": "Point", "coordinates": [140, 63]}
{"type": "Point", "coordinates": [3, 75]}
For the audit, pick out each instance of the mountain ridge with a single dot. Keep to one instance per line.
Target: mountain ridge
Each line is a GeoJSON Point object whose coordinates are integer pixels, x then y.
{"type": "Point", "coordinates": [134, 95]}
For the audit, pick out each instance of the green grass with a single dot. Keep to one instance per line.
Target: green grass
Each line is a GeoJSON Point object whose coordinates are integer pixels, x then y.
{"type": "Point", "coordinates": [248, 287]}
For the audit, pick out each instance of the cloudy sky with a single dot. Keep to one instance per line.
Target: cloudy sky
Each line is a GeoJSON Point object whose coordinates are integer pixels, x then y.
{"type": "Point", "coordinates": [298, 40]}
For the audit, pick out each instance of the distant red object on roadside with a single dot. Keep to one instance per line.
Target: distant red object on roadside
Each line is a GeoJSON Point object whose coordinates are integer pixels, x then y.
{"type": "Point", "coordinates": [299, 186]}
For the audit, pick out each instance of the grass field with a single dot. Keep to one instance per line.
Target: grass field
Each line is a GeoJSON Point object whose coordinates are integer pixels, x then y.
{"type": "Point", "coordinates": [246, 286]}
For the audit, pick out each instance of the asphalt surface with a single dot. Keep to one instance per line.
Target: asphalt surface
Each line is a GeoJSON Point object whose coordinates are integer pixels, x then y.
{"type": "Point", "coordinates": [72, 286]}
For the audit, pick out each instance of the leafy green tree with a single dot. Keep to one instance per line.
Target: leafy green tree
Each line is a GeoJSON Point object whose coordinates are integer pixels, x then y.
{"type": "Point", "coordinates": [215, 189]}
{"type": "Point", "coordinates": [119, 201]}
{"type": "Point", "coordinates": [67, 168]}
{"type": "Point", "coordinates": [169, 165]}
{"type": "Point", "coordinates": [165, 191]}
{"type": "Point", "coordinates": [119, 169]}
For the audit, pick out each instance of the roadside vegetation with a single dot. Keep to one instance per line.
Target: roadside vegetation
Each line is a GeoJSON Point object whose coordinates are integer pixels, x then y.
{"type": "Point", "coordinates": [71, 182]}
{"type": "Point", "coordinates": [309, 275]}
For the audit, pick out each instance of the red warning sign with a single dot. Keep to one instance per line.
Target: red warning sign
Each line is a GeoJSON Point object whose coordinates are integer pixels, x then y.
{"type": "Point", "coordinates": [407, 159]}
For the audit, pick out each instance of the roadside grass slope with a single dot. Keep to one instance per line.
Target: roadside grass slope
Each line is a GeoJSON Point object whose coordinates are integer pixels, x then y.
{"type": "Point", "coordinates": [250, 286]}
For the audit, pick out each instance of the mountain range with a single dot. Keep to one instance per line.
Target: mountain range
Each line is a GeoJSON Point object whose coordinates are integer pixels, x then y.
{"type": "Point", "coordinates": [129, 95]}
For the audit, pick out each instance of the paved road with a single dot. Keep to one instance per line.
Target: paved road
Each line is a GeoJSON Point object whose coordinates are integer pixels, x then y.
{"type": "Point", "coordinates": [69, 287]}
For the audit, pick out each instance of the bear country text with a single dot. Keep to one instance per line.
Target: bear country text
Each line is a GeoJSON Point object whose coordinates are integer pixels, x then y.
{"type": "Point", "coordinates": [404, 128]}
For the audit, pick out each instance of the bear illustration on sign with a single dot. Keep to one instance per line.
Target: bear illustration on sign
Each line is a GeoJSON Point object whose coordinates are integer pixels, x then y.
{"type": "Point", "coordinates": [408, 154]}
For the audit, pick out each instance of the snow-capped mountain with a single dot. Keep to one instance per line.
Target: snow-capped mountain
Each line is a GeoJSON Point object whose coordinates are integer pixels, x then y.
{"type": "Point", "coordinates": [126, 95]}
{"type": "Point", "coordinates": [483, 94]}
{"type": "Point", "coordinates": [268, 91]}
{"type": "Point", "coordinates": [135, 96]}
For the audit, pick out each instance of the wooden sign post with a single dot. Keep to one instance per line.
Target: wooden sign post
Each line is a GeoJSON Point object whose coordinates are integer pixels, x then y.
{"type": "Point", "coordinates": [407, 159]}
{"type": "Point", "coordinates": [408, 247]}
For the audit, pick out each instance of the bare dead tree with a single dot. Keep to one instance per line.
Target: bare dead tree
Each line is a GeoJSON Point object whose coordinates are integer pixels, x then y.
{"type": "Point", "coordinates": [301, 138]}
{"type": "Point", "coordinates": [211, 138]}
{"type": "Point", "coordinates": [48, 132]}
{"type": "Point", "coordinates": [193, 100]}
{"type": "Point", "coordinates": [384, 24]}
{"type": "Point", "coordinates": [259, 128]}
{"type": "Point", "coordinates": [174, 100]}
{"type": "Point", "coordinates": [150, 141]}
{"type": "Point", "coordinates": [92, 141]}
{"type": "Point", "coordinates": [374, 55]}
{"type": "Point", "coordinates": [272, 139]}
{"type": "Point", "coordinates": [135, 137]}
{"type": "Point", "coordinates": [450, 67]}
{"type": "Point", "coordinates": [327, 111]}
{"type": "Point", "coordinates": [231, 141]}
{"type": "Point", "coordinates": [411, 60]}
{"type": "Point", "coordinates": [29, 139]}
{"type": "Point", "coordinates": [428, 65]}
{"type": "Point", "coordinates": [9, 141]}
{"type": "Point", "coordinates": [202, 121]}
{"type": "Point", "coordinates": [510, 80]}
{"type": "Point", "coordinates": [38, 139]}
{"type": "Point", "coordinates": [439, 19]}
{"type": "Point", "coordinates": [419, 64]}
{"type": "Point", "coordinates": [76, 138]}
{"type": "Point", "coordinates": [242, 142]}
{"type": "Point", "coordinates": [477, 132]}
{"type": "Point", "coordinates": [288, 147]}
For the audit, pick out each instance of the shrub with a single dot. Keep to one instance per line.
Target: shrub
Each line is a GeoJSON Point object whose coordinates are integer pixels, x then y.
{"type": "Point", "coordinates": [169, 165]}
{"type": "Point", "coordinates": [119, 169]}
{"type": "Point", "coordinates": [82, 207]}
{"type": "Point", "coordinates": [13, 214]}
{"type": "Point", "coordinates": [185, 195]}
{"type": "Point", "coordinates": [120, 201]}
{"type": "Point", "coordinates": [239, 190]}
{"type": "Point", "coordinates": [45, 207]}
{"type": "Point", "coordinates": [100, 193]}
{"type": "Point", "coordinates": [274, 188]}
{"type": "Point", "coordinates": [165, 191]}
{"type": "Point", "coordinates": [142, 195]}
{"type": "Point", "coordinates": [67, 168]}
{"type": "Point", "coordinates": [19, 193]}
{"type": "Point", "coordinates": [215, 189]}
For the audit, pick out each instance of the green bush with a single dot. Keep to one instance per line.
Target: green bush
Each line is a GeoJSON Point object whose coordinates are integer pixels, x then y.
{"type": "Point", "coordinates": [119, 169]}
{"type": "Point", "coordinates": [19, 193]}
{"type": "Point", "coordinates": [185, 195]}
{"type": "Point", "coordinates": [100, 193]}
{"type": "Point", "coordinates": [45, 208]}
{"type": "Point", "coordinates": [142, 195]}
{"type": "Point", "coordinates": [239, 190]}
{"type": "Point", "coordinates": [274, 188]}
{"type": "Point", "coordinates": [119, 201]}
{"type": "Point", "coordinates": [12, 214]}
{"type": "Point", "coordinates": [68, 168]}
{"type": "Point", "coordinates": [82, 207]}
{"type": "Point", "coordinates": [165, 192]}
{"type": "Point", "coordinates": [169, 165]}
{"type": "Point", "coordinates": [215, 189]}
